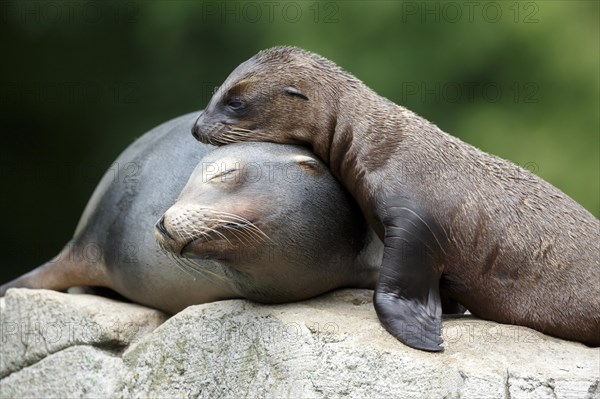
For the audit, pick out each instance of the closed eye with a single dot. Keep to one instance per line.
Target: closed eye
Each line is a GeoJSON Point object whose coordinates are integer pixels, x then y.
{"type": "Point", "coordinates": [222, 174]}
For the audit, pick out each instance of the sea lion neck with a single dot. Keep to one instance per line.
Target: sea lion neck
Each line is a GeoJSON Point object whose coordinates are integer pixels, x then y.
{"type": "Point", "coordinates": [338, 102]}
{"type": "Point", "coordinates": [351, 142]}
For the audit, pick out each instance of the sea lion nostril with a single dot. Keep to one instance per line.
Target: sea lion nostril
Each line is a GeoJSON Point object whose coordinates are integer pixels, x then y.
{"type": "Point", "coordinates": [160, 226]}
{"type": "Point", "coordinates": [196, 132]}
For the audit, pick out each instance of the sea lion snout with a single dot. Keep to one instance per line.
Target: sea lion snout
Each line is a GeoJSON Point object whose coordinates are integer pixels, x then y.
{"type": "Point", "coordinates": [206, 131]}
{"type": "Point", "coordinates": [173, 230]}
{"type": "Point", "coordinates": [165, 237]}
{"type": "Point", "coordinates": [190, 229]}
{"type": "Point", "coordinates": [210, 125]}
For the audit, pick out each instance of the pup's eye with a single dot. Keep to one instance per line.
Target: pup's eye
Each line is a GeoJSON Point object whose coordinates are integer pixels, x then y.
{"type": "Point", "coordinates": [235, 104]}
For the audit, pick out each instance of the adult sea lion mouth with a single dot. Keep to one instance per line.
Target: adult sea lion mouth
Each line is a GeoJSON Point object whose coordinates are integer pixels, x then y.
{"type": "Point", "coordinates": [201, 249]}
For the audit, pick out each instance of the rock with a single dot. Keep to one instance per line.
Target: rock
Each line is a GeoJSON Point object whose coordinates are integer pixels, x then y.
{"type": "Point", "coordinates": [76, 372]}
{"type": "Point", "coordinates": [38, 323]}
{"type": "Point", "coordinates": [330, 346]}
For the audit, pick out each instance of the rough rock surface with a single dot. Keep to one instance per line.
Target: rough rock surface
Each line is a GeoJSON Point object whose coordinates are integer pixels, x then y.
{"type": "Point", "coordinates": [61, 345]}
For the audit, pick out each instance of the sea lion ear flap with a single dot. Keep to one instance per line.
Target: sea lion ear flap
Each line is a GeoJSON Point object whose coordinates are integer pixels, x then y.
{"type": "Point", "coordinates": [295, 92]}
{"type": "Point", "coordinates": [308, 164]}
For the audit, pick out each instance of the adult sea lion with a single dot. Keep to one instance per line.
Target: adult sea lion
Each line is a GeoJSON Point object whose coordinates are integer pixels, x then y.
{"type": "Point", "coordinates": [317, 237]}
{"type": "Point", "coordinates": [270, 215]}
{"type": "Point", "coordinates": [501, 241]}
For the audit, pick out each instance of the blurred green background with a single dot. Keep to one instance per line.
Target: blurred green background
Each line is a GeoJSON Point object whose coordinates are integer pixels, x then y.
{"type": "Point", "coordinates": [81, 80]}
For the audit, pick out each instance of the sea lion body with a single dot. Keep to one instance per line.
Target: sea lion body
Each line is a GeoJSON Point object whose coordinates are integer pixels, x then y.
{"type": "Point", "coordinates": [114, 244]}
{"type": "Point", "coordinates": [454, 220]}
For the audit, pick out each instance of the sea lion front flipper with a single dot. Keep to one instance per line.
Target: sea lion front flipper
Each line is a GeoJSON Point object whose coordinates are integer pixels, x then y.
{"type": "Point", "coordinates": [407, 296]}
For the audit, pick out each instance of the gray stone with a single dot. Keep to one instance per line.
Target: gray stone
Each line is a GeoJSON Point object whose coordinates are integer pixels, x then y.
{"type": "Point", "coordinates": [79, 371]}
{"type": "Point", "coordinates": [327, 347]}
{"type": "Point", "coordinates": [37, 323]}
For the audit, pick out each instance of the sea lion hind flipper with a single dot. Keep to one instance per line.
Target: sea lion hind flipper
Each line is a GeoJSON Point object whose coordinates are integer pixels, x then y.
{"type": "Point", "coordinates": [407, 296]}
{"type": "Point", "coordinates": [68, 269]}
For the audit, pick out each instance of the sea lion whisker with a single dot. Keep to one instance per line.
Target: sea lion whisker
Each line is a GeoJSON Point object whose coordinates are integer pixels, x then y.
{"type": "Point", "coordinates": [224, 140]}
{"type": "Point", "coordinates": [244, 227]}
{"type": "Point", "coordinates": [179, 266]}
{"type": "Point", "coordinates": [236, 136]}
{"type": "Point", "coordinates": [233, 227]}
{"type": "Point", "coordinates": [196, 233]}
{"type": "Point", "coordinates": [243, 223]}
{"type": "Point", "coordinates": [205, 272]}
{"type": "Point", "coordinates": [184, 264]}
{"type": "Point", "coordinates": [246, 221]}
{"type": "Point", "coordinates": [230, 215]}
{"type": "Point", "coordinates": [248, 229]}
{"type": "Point", "coordinates": [244, 239]}
{"type": "Point", "coordinates": [258, 233]}
{"type": "Point", "coordinates": [236, 133]}
{"type": "Point", "coordinates": [219, 234]}
{"type": "Point", "coordinates": [244, 231]}
{"type": "Point", "coordinates": [180, 234]}
{"type": "Point", "coordinates": [240, 129]}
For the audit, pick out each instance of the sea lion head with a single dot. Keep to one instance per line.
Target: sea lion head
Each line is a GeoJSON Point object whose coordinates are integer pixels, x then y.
{"type": "Point", "coordinates": [272, 217]}
{"type": "Point", "coordinates": [282, 95]}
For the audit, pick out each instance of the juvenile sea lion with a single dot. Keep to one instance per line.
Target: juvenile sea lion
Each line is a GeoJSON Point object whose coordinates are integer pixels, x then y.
{"type": "Point", "coordinates": [492, 236]}
{"type": "Point", "coordinates": [304, 212]}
